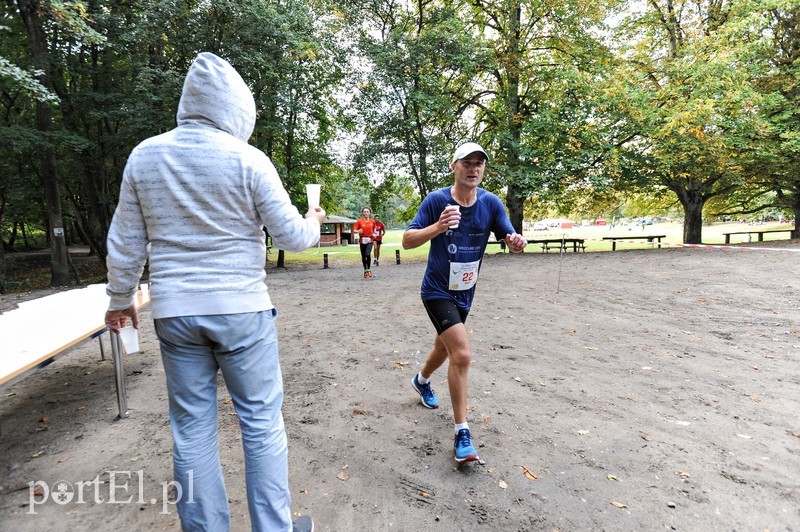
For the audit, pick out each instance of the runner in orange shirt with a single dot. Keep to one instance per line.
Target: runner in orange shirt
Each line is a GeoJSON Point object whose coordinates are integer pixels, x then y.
{"type": "Point", "coordinates": [365, 226]}
{"type": "Point", "coordinates": [378, 233]}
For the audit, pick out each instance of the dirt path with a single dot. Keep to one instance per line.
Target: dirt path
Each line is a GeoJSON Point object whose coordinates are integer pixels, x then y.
{"type": "Point", "coordinates": [655, 389]}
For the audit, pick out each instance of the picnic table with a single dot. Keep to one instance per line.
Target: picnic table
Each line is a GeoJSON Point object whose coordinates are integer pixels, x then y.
{"type": "Point", "coordinates": [759, 232]}
{"type": "Point", "coordinates": [560, 244]}
{"type": "Point", "coordinates": [42, 330]}
{"type": "Point", "coordinates": [649, 238]}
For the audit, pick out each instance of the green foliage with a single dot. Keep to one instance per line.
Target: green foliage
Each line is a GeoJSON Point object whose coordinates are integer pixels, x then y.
{"type": "Point", "coordinates": [682, 103]}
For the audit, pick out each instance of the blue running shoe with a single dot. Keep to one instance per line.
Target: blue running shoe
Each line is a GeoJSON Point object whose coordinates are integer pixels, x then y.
{"type": "Point", "coordinates": [465, 452]}
{"type": "Point", "coordinates": [424, 390]}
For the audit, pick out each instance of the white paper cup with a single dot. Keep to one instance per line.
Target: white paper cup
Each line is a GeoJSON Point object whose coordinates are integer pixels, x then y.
{"type": "Point", "coordinates": [453, 208]}
{"type": "Point", "coordinates": [130, 339]}
{"type": "Point", "coordinates": [312, 192]}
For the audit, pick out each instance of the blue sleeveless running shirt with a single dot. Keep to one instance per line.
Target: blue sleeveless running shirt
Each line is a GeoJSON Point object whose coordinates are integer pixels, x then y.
{"type": "Point", "coordinates": [465, 244]}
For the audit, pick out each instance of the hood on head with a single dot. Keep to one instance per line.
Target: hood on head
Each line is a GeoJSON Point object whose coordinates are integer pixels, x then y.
{"type": "Point", "coordinates": [215, 94]}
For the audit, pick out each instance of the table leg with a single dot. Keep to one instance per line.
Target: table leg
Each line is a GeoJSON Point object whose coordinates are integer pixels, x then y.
{"type": "Point", "coordinates": [119, 375]}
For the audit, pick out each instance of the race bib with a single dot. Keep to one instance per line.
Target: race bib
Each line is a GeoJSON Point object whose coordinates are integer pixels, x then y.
{"type": "Point", "coordinates": [366, 239]}
{"type": "Point", "coordinates": [463, 275]}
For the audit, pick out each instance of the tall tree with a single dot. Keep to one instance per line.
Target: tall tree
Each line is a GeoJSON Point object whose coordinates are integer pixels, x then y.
{"type": "Point", "coordinates": [31, 12]}
{"type": "Point", "coordinates": [690, 103]}
{"type": "Point", "coordinates": [411, 90]}
{"type": "Point", "coordinates": [532, 45]}
{"type": "Point", "coordinates": [40, 19]}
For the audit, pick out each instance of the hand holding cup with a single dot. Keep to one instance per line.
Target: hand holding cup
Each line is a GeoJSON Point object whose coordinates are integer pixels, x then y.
{"type": "Point", "coordinates": [452, 214]}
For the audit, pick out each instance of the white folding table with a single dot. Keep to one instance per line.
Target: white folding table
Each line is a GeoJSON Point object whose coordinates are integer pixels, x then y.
{"type": "Point", "coordinates": [41, 330]}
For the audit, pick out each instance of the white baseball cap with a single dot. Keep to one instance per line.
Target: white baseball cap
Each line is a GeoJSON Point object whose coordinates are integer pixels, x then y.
{"type": "Point", "coordinates": [466, 149]}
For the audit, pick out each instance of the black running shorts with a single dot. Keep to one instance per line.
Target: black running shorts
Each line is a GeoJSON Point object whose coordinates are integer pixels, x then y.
{"type": "Point", "coordinates": [444, 313]}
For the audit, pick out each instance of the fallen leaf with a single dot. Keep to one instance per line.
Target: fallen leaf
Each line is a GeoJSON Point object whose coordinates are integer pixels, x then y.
{"type": "Point", "coordinates": [590, 348]}
{"type": "Point", "coordinates": [425, 494]}
{"type": "Point", "coordinates": [395, 352]}
{"type": "Point", "coordinates": [502, 484]}
{"type": "Point", "coordinates": [645, 437]}
{"type": "Point", "coordinates": [44, 420]}
{"type": "Point", "coordinates": [517, 379]}
{"type": "Point", "coordinates": [745, 436]}
{"type": "Point", "coordinates": [611, 477]}
{"type": "Point", "coordinates": [618, 504]}
{"type": "Point", "coordinates": [528, 473]}
{"type": "Point", "coordinates": [583, 432]}
{"type": "Point", "coordinates": [400, 363]}
{"type": "Point", "coordinates": [793, 434]}
{"type": "Point", "coordinates": [682, 474]}
{"type": "Point", "coordinates": [487, 392]}
{"type": "Point", "coordinates": [341, 476]}
{"type": "Point", "coordinates": [37, 454]}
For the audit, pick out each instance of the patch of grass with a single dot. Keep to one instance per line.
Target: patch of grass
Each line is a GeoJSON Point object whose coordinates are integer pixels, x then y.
{"type": "Point", "coordinates": [351, 254]}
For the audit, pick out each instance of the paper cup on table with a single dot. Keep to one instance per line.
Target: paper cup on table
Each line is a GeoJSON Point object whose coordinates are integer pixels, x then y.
{"type": "Point", "coordinates": [130, 339]}
{"type": "Point", "coordinates": [312, 192]}
{"type": "Point", "coordinates": [453, 208]}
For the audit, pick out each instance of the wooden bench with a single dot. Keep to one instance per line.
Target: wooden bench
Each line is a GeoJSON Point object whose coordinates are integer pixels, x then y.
{"type": "Point", "coordinates": [649, 238]}
{"type": "Point", "coordinates": [760, 233]}
{"type": "Point", "coordinates": [559, 243]}
{"type": "Point", "coordinates": [41, 330]}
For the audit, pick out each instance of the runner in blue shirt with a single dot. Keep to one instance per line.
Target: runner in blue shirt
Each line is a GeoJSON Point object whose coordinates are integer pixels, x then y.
{"type": "Point", "coordinates": [457, 221]}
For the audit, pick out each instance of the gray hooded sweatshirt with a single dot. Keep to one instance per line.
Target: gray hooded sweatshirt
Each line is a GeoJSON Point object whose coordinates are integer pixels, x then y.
{"type": "Point", "coordinates": [194, 200]}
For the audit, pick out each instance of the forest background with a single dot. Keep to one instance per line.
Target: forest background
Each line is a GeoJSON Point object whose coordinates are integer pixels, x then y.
{"type": "Point", "coordinates": [587, 109]}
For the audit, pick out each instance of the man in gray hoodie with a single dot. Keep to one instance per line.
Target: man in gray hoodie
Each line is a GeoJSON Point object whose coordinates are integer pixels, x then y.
{"type": "Point", "coordinates": [194, 202]}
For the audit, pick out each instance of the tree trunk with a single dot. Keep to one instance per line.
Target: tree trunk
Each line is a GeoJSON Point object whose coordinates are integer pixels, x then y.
{"type": "Point", "coordinates": [37, 38]}
{"type": "Point", "coordinates": [281, 259]}
{"type": "Point", "coordinates": [796, 211]}
{"type": "Point", "coordinates": [510, 141]}
{"type": "Point", "coordinates": [2, 266]}
{"type": "Point", "coordinates": [692, 201]}
{"type": "Point", "coordinates": [515, 203]}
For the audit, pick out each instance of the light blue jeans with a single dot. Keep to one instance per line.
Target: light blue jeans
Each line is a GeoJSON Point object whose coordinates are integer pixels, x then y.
{"type": "Point", "coordinates": [245, 348]}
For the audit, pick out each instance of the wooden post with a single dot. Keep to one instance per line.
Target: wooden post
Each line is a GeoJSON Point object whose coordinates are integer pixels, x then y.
{"type": "Point", "coordinates": [397, 255]}
{"type": "Point", "coordinates": [325, 259]}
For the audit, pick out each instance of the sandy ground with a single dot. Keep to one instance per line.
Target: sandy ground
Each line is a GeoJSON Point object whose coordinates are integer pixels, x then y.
{"type": "Point", "coordinates": [640, 390]}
